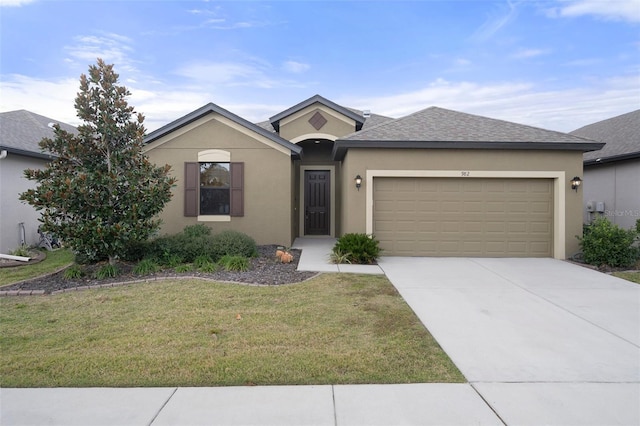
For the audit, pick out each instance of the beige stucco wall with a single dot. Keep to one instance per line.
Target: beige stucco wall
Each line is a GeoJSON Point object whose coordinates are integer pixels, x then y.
{"type": "Point", "coordinates": [358, 161]}
{"type": "Point", "coordinates": [615, 184]}
{"type": "Point", "coordinates": [267, 177]}
{"type": "Point", "coordinates": [297, 125]}
{"type": "Point", "coordinates": [12, 210]}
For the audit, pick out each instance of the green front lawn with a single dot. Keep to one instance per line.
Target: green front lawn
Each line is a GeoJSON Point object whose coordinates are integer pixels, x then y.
{"type": "Point", "coordinates": [54, 261]}
{"type": "Point", "coordinates": [629, 276]}
{"type": "Point", "coordinates": [334, 329]}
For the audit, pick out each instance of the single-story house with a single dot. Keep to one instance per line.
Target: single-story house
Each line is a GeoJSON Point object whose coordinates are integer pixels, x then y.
{"type": "Point", "coordinates": [434, 183]}
{"type": "Point", "coordinates": [20, 133]}
{"type": "Point", "coordinates": [612, 174]}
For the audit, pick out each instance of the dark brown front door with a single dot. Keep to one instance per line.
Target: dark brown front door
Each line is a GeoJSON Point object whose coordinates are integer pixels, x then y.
{"type": "Point", "coordinates": [317, 207]}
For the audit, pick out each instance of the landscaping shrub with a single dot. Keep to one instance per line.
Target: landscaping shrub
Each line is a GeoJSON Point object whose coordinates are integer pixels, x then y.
{"type": "Point", "coordinates": [23, 251]}
{"type": "Point", "coordinates": [73, 272]}
{"type": "Point", "coordinates": [196, 240]}
{"type": "Point", "coordinates": [357, 248]}
{"type": "Point", "coordinates": [146, 267]}
{"type": "Point", "coordinates": [606, 244]}
{"type": "Point", "coordinates": [202, 260]}
{"type": "Point", "coordinates": [233, 243]}
{"type": "Point", "coordinates": [186, 247]}
{"type": "Point", "coordinates": [107, 271]}
{"type": "Point", "coordinates": [234, 263]}
{"type": "Point", "coordinates": [194, 231]}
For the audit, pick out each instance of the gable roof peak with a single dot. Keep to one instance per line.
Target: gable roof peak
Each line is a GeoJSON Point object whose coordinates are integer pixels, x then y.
{"type": "Point", "coordinates": [358, 118]}
{"type": "Point", "coordinates": [213, 108]}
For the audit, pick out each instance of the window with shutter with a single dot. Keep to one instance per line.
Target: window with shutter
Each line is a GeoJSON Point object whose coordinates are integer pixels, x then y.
{"type": "Point", "coordinates": [214, 189]}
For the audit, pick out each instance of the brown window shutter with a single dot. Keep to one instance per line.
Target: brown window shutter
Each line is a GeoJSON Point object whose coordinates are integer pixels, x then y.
{"type": "Point", "coordinates": [237, 189]}
{"type": "Point", "coordinates": [191, 178]}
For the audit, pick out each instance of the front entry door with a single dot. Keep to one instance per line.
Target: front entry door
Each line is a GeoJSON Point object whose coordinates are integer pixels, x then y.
{"type": "Point", "coordinates": [317, 209]}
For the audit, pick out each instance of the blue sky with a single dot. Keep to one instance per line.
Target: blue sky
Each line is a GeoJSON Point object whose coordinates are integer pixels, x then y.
{"type": "Point", "coordinates": [556, 64]}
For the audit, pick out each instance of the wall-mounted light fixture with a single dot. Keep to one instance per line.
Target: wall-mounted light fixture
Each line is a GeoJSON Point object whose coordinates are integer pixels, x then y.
{"type": "Point", "coordinates": [358, 182]}
{"type": "Point", "coordinates": [575, 183]}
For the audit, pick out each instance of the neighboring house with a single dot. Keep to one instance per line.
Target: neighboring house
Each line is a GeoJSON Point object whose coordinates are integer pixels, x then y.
{"type": "Point", "coordinates": [434, 183]}
{"type": "Point", "coordinates": [612, 174]}
{"type": "Point", "coordinates": [20, 133]}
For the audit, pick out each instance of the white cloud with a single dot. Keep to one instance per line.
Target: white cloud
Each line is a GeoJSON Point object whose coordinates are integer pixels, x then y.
{"type": "Point", "coordinates": [520, 102]}
{"type": "Point", "coordinates": [53, 99]}
{"type": "Point", "coordinates": [295, 67]}
{"type": "Point", "coordinates": [529, 53]}
{"type": "Point", "coordinates": [615, 10]}
{"type": "Point", "coordinates": [495, 23]}
{"type": "Point", "coordinates": [561, 109]}
{"type": "Point", "coordinates": [250, 73]}
{"type": "Point", "coordinates": [112, 48]}
{"type": "Point", "coordinates": [14, 3]}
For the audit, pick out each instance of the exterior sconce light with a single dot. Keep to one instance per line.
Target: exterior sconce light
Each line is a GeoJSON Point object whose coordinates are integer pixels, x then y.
{"type": "Point", "coordinates": [575, 183]}
{"type": "Point", "coordinates": [358, 182]}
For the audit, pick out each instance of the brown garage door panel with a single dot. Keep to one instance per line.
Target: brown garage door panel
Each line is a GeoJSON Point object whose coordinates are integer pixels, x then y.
{"type": "Point", "coordinates": [464, 217]}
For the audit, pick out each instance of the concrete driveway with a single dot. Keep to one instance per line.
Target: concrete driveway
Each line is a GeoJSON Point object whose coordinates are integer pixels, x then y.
{"type": "Point", "coordinates": [541, 340]}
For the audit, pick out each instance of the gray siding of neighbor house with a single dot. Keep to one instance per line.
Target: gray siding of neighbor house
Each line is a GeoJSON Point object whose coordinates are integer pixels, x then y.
{"type": "Point", "coordinates": [615, 184]}
{"type": "Point", "coordinates": [13, 211]}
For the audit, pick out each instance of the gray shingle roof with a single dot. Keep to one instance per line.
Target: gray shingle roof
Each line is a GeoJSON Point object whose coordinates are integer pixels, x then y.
{"type": "Point", "coordinates": [21, 131]}
{"type": "Point", "coordinates": [439, 124]}
{"type": "Point", "coordinates": [621, 135]}
{"type": "Point", "coordinates": [439, 128]}
{"type": "Point", "coordinates": [213, 108]}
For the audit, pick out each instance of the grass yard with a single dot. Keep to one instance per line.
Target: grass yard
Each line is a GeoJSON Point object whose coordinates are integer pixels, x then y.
{"type": "Point", "coordinates": [629, 276]}
{"type": "Point", "coordinates": [333, 329]}
{"type": "Point", "coordinates": [55, 260]}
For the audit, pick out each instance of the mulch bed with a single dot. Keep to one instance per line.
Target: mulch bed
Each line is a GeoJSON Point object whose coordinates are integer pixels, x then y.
{"type": "Point", "coordinates": [263, 270]}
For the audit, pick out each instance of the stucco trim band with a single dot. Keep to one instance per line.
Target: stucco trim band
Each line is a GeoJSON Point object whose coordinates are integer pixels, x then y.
{"type": "Point", "coordinates": [559, 193]}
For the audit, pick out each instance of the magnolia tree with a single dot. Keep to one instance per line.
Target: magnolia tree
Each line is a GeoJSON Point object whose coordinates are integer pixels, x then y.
{"type": "Point", "coordinates": [100, 194]}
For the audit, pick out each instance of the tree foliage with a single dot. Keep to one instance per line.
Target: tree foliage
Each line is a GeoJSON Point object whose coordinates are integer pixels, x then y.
{"type": "Point", "coordinates": [101, 193]}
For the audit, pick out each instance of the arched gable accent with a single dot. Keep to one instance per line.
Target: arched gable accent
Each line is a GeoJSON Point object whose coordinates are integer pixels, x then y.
{"type": "Point", "coordinates": [314, 136]}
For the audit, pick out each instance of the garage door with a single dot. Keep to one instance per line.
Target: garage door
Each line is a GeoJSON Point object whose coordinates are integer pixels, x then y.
{"type": "Point", "coordinates": [466, 217]}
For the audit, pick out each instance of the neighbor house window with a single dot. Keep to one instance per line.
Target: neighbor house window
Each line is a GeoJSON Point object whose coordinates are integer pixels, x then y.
{"type": "Point", "coordinates": [215, 187]}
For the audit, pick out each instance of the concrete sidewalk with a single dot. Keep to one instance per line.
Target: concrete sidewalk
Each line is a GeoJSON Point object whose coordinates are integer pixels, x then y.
{"type": "Point", "coordinates": [417, 404]}
{"type": "Point", "coordinates": [316, 257]}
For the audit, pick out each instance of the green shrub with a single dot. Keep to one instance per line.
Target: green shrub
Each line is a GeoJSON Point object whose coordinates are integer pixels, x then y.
{"type": "Point", "coordinates": [107, 271]}
{"type": "Point", "coordinates": [233, 243]}
{"type": "Point", "coordinates": [201, 260]}
{"type": "Point", "coordinates": [194, 231]}
{"type": "Point", "coordinates": [337, 256]}
{"type": "Point", "coordinates": [146, 267]}
{"type": "Point", "coordinates": [172, 260]}
{"type": "Point", "coordinates": [185, 267]}
{"type": "Point", "coordinates": [136, 251]}
{"type": "Point", "coordinates": [357, 248]}
{"type": "Point", "coordinates": [605, 243]}
{"type": "Point", "coordinates": [207, 267]}
{"type": "Point", "coordinates": [182, 246]}
{"type": "Point", "coordinates": [23, 251]}
{"type": "Point", "coordinates": [73, 272]}
{"type": "Point", "coordinates": [234, 263]}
